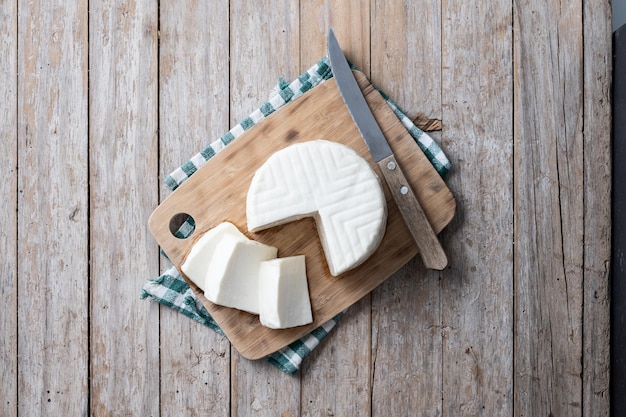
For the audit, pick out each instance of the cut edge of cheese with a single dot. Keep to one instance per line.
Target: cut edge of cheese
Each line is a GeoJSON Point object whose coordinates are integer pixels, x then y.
{"type": "Point", "coordinates": [197, 261]}
{"type": "Point", "coordinates": [330, 182]}
{"type": "Point", "coordinates": [284, 300]}
{"type": "Point", "coordinates": [233, 273]}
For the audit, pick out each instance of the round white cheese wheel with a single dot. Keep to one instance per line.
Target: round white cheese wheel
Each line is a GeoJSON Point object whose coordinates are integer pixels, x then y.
{"type": "Point", "coordinates": [329, 182]}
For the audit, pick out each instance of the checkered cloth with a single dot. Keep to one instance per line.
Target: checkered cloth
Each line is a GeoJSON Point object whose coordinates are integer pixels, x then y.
{"type": "Point", "coordinates": [170, 289]}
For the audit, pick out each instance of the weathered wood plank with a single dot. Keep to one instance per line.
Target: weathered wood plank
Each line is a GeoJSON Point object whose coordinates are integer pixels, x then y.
{"type": "Point", "coordinates": [477, 289]}
{"type": "Point", "coordinates": [406, 344]}
{"type": "Point", "coordinates": [618, 226]}
{"type": "Point", "coordinates": [350, 21]}
{"type": "Point", "coordinates": [336, 378]}
{"type": "Point", "coordinates": [406, 55]}
{"type": "Point", "coordinates": [549, 220]}
{"type": "Point", "coordinates": [123, 176]}
{"type": "Point", "coordinates": [406, 310]}
{"type": "Point", "coordinates": [8, 213]}
{"type": "Point", "coordinates": [264, 45]}
{"type": "Point", "coordinates": [193, 111]}
{"type": "Point", "coordinates": [52, 209]}
{"type": "Point", "coordinates": [597, 210]}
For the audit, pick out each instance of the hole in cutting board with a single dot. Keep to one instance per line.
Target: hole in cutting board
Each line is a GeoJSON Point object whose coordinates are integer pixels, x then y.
{"type": "Point", "coordinates": [182, 225]}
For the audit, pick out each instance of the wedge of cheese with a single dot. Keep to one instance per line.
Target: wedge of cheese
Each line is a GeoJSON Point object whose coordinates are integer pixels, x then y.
{"type": "Point", "coordinates": [233, 273]}
{"type": "Point", "coordinates": [329, 182]}
{"type": "Point", "coordinates": [197, 261]}
{"type": "Point", "coordinates": [283, 293]}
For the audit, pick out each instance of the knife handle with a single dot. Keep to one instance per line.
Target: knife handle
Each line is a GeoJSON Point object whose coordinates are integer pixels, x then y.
{"type": "Point", "coordinates": [430, 249]}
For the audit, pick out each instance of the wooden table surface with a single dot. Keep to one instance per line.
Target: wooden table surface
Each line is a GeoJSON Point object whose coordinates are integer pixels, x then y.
{"type": "Point", "coordinates": [101, 99]}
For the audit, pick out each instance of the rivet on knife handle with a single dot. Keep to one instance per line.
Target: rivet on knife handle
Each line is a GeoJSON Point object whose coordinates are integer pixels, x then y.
{"type": "Point", "coordinates": [416, 221]}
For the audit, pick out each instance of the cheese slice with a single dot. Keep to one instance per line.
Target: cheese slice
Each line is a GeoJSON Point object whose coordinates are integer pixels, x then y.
{"type": "Point", "coordinates": [233, 273]}
{"type": "Point", "coordinates": [329, 182]}
{"type": "Point", "coordinates": [197, 261]}
{"type": "Point", "coordinates": [283, 293]}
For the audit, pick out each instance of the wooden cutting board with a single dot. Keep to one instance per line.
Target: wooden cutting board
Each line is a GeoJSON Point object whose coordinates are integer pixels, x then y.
{"type": "Point", "coordinates": [217, 192]}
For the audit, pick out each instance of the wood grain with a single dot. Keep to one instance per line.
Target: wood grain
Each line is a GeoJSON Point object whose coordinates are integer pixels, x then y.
{"type": "Point", "coordinates": [549, 214]}
{"type": "Point", "coordinates": [406, 309]}
{"type": "Point", "coordinates": [406, 55]}
{"type": "Point", "coordinates": [8, 213]}
{"type": "Point", "coordinates": [193, 111]}
{"type": "Point", "coordinates": [52, 222]}
{"type": "Point", "coordinates": [477, 289]}
{"type": "Point", "coordinates": [597, 73]}
{"type": "Point", "coordinates": [324, 114]}
{"type": "Point", "coordinates": [123, 117]}
{"type": "Point", "coordinates": [427, 124]}
{"type": "Point", "coordinates": [336, 376]}
{"type": "Point", "coordinates": [350, 21]}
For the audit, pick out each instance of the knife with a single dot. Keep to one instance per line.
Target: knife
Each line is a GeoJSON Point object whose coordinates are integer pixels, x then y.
{"type": "Point", "coordinates": [430, 249]}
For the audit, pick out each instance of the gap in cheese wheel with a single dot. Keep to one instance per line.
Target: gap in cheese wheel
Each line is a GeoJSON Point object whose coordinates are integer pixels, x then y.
{"type": "Point", "coordinates": [330, 182]}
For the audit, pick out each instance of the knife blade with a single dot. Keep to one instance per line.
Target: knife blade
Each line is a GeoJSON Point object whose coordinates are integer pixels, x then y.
{"type": "Point", "coordinates": [430, 249]}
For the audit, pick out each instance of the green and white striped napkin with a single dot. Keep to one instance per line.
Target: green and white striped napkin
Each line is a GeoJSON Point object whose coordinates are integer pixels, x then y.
{"type": "Point", "coordinates": [172, 290]}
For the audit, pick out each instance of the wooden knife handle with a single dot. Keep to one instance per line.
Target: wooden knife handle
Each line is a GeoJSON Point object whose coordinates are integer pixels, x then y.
{"type": "Point", "coordinates": [430, 249]}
